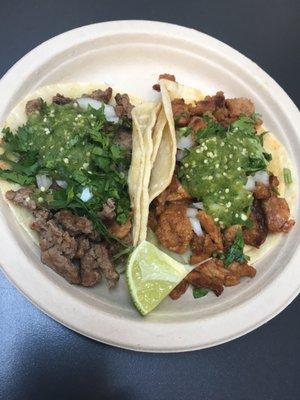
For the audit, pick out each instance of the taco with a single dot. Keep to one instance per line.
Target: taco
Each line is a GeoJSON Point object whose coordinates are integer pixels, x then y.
{"type": "Point", "coordinates": [72, 163]}
{"type": "Point", "coordinates": [220, 188]}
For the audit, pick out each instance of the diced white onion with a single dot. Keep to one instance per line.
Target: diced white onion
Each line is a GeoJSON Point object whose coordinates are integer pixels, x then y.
{"type": "Point", "coordinates": [259, 176]}
{"type": "Point", "coordinates": [84, 102]}
{"type": "Point", "coordinates": [185, 142]}
{"type": "Point", "coordinates": [198, 205]}
{"type": "Point", "coordinates": [86, 195]}
{"type": "Point", "coordinates": [62, 184]}
{"type": "Point", "coordinates": [191, 212]}
{"type": "Point", "coordinates": [109, 110]}
{"type": "Point", "coordinates": [110, 113]}
{"type": "Point", "coordinates": [196, 226]}
{"type": "Point", "coordinates": [250, 184]}
{"type": "Point", "coordinates": [43, 181]}
{"type": "Point", "coordinates": [262, 176]}
{"type": "Point", "coordinates": [179, 155]}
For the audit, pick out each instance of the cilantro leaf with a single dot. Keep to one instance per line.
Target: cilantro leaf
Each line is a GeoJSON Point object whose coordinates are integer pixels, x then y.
{"type": "Point", "coordinates": [236, 251]}
{"type": "Point", "coordinates": [199, 292]}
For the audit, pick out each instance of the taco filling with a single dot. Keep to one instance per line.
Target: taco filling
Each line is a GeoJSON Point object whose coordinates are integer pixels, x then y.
{"type": "Point", "coordinates": [222, 196]}
{"type": "Point", "coordinates": [71, 159]}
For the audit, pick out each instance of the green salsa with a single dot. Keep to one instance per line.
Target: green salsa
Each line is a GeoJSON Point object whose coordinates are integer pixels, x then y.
{"type": "Point", "coordinates": [215, 170]}
{"type": "Point", "coordinates": [76, 146]}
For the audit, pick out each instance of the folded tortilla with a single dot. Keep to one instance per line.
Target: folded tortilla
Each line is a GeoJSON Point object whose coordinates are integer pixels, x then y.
{"type": "Point", "coordinates": [164, 159]}
{"type": "Point", "coordinates": [144, 116]}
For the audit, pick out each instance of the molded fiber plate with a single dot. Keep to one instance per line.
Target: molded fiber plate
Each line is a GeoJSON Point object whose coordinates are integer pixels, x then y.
{"type": "Point", "coordinates": [130, 55]}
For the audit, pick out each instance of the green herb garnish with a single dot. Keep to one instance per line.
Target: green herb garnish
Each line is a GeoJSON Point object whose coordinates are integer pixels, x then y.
{"type": "Point", "coordinates": [77, 146]}
{"type": "Point", "coordinates": [236, 251]}
{"type": "Point", "coordinates": [199, 292]}
{"type": "Point", "coordinates": [287, 176]}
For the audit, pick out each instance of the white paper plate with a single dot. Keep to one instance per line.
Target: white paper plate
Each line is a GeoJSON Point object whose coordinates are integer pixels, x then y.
{"type": "Point", "coordinates": [130, 55]}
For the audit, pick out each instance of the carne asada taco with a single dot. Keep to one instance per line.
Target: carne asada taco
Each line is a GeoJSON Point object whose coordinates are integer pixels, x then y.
{"type": "Point", "coordinates": [71, 169]}
{"type": "Point", "coordinates": [227, 183]}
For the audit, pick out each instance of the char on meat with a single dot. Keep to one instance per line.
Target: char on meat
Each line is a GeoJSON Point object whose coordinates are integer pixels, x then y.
{"type": "Point", "coordinates": [123, 106]}
{"type": "Point", "coordinates": [34, 105]}
{"type": "Point", "coordinates": [257, 234]}
{"type": "Point", "coordinates": [179, 290]}
{"type": "Point", "coordinates": [61, 100]}
{"type": "Point", "coordinates": [277, 214]}
{"type": "Point", "coordinates": [73, 223]}
{"type": "Point", "coordinates": [101, 95]}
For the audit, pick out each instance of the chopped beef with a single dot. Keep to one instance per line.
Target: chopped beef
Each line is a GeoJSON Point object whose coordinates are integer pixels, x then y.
{"type": "Point", "coordinates": [212, 275]}
{"type": "Point", "coordinates": [174, 229]}
{"type": "Point", "coordinates": [61, 265]}
{"type": "Point", "coordinates": [123, 107]}
{"type": "Point", "coordinates": [210, 227]}
{"type": "Point", "coordinates": [61, 100]}
{"type": "Point", "coordinates": [123, 138]}
{"type": "Point", "coordinates": [196, 124]}
{"type": "Point", "coordinates": [261, 191]}
{"type": "Point", "coordinates": [101, 95]}
{"type": "Point", "coordinates": [257, 234]}
{"type": "Point", "coordinates": [89, 272]}
{"type": "Point", "coordinates": [34, 105]}
{"type": "Point", "coordinates": [82, 247]}
{"type": "Point", "coordinates": [69, 244]}
{"type": "Point", "coordinates": [105, 265]}
{"type": "Point", "coordinates": [53, 236]}
{"type": "Point", "coordinates": [240, 106]}
{"type": "Point", "coordinates": [229, 235]}
{"type": "Point", "coordinates": [73, 223]}
{"type": "Point", "coordinates": [181, 112]}
{"type": "Point", "coordinates": [108, 211]}
{"type": "Point", "coordinates": [120, 231]}
{"type": "Point", "coordinates": [163, 76]}
{"type": "Point", "coordinates": [277, 214]}
{"type": "Point", "coordinates": [179, 290]}
{"type": "Point", "coordinates": [21, 197]}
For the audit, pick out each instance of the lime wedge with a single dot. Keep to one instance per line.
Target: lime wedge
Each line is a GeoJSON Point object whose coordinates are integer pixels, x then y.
{"type": "Point", "coordinates": [151, 275]}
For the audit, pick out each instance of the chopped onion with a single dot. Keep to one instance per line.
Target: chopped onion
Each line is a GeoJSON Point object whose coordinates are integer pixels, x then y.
{"type": "Point", "coordinates": [43, 182]}
{"type": "Point", "coordinates": [110, 113]}
{"type": "Point", "coordinates": [262, 176]}
{"type": "Point", "coordinates": [84, 102]}
{"type": "Point", "coordinates": [191, 212]}
{"type": "Point", "coordinates": [62, 184]}
{"type": "Point", "coordinates": [179, 155]}
{"type": "Point", "coordinates": [86, 195]}
{"type": "Point", "coordinates": [109, 110]}
{"type": "Point", "coordinates": [250, 184]}
{"type": "Point", "coordinates": [259, 176]}
{"type": "Point", "coordinates": [198, 205]}
{"type": "Point", "coordinates": [185, 142]}
{"type": "Point", "coordinates": [196, 226]}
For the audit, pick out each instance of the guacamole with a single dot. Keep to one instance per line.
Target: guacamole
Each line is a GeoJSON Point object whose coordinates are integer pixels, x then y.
{"type": "Point", "coordinates": [215, 170]}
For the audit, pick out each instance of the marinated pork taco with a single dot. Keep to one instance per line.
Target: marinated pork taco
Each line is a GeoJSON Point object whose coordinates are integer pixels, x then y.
{"type": "Point", "coordinates": [225, 189]}
{"type": "Point", "coordinates": [72, 161]}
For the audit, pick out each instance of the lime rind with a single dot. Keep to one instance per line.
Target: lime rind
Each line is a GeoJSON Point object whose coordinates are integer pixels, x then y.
{"type": "Point", "coordinates": [151, 276]}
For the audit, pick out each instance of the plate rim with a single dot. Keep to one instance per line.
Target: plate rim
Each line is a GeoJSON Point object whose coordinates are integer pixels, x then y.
{"type": "Point", "coordinates": [142, 26]}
